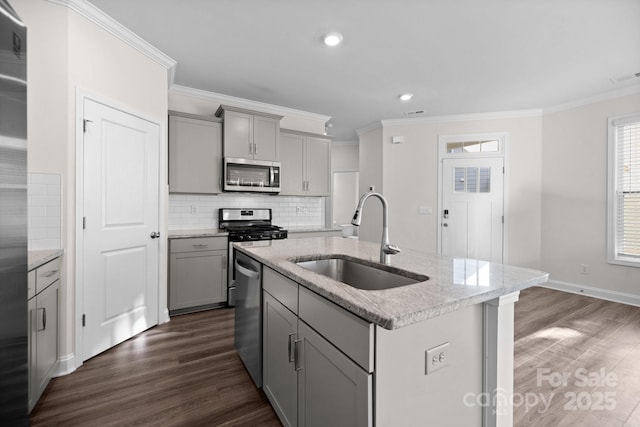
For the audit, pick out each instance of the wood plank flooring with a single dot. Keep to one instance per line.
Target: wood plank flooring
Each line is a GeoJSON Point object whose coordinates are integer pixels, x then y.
{"type": "Point", "coordinates": [183, 373]}
{"type": "Point", "coordinates": [187, 373]}
{"type": "Point", "coordinates": [577, 361]}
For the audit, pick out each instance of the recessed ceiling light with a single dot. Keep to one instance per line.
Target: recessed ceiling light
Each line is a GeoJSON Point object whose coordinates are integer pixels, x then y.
{"type": "Point", "coordinates": [332, 39]}
{"type": "Point", "coordinates": [406, 96]}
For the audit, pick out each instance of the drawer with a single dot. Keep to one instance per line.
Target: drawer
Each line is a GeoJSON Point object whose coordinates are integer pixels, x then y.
{"type": "Point", "coordinates": [31, 284]}
{"type": "Point", "coordinates": [197, 244]}
{"type": "Point", "coordinates": [281, 288]}
{"type": "Point", "coordinates": [351, 334]}
{"type": "Point", "coordinates": [47, 274]}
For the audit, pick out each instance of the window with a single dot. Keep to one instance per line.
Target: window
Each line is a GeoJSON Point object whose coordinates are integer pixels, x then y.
{"type": "Point", "coordinates": [472, 180]}
{"type": "Point", "coordinates": [624, 190]}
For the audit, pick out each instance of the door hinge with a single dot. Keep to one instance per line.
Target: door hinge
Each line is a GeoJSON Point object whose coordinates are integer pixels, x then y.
{"type": "Point", "coordinates": [84, 124]}
{"type": "Point", "coordinates": [84, 320]}
{"type": "Point", "coordinates": [84, 222]}
{"type": "Point", "coordinates": [503, 219]}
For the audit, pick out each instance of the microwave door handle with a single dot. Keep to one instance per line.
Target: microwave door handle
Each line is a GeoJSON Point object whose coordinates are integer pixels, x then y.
{"type": "Point", "coordinates": [272, 176]}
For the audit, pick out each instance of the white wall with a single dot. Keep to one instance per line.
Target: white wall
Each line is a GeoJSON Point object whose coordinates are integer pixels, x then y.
{"type": "Point", "coordinates": [574, 194]}
{"type": "Point", "coordinates": [67, 52]}
{"type": "Point", "coordinates": [372, 174]}
{"type": "Point", "coordinates": [409, 172]}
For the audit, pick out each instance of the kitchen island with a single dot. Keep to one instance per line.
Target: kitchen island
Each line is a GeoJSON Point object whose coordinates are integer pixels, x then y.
{"type": "Point", "coordinates": [437, 351]}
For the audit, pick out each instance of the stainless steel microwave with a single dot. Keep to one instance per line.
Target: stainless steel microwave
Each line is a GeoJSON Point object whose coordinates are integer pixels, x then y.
{"type": "Point", "coordinates": [251, 175]}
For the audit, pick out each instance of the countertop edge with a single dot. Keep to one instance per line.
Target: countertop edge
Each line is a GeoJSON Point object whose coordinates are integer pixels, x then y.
{"type": "Point", "coordinates": [38, 258]}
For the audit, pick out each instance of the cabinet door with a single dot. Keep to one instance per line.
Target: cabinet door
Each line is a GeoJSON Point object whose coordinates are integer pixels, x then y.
{"type": "Point", "coordinates": [238, 135]}
{"type": "Point", "coordinates": [195, 156]}
{"type": "Point", "coordinates": [266, 136]}
{"type": "Point", "coordinates": [332, 390]}
{"type": "Point", "coordinates": [279, 377]}
{"type": "Point", "coordinates": [291, 173]}
{"type": "Point", "coordinates": [33, 380]}
{"type": "Point", "coordinates": [318, 163]}
{"type": "Point", "coordinates": [197, 278]}
{"type": "Point", "coordinates": [46, 334]}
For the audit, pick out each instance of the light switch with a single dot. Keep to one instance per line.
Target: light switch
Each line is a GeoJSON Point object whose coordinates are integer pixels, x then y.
{"type": "Point", "coordinates": [436, 358]}
{"type": "Point", "coordinates": [425, 210]}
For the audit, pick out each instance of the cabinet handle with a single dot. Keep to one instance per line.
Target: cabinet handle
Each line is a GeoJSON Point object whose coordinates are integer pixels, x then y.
{"type": "Point", "coordinates": [50, 273]}
{"type": "Point", "coordinates": [292, 356]}
{"type": "Point", "coordinates": [296, 355]}
{"type": "Point", "coordinates": [224, 262]}
{"type": "Point", "coordinates": [255, 148]}
{"type": "Point", "coordinates": [199, 246]}
{"type": "Point", "coordinates": [44, 321]}
{"type": "Point", "coordinates": [250, 148]}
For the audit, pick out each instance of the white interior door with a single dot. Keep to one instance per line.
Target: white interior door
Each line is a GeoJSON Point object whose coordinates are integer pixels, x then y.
{"type": "Point", "coordinates": [121, 193]}
{"type": "Point", "coordinates": [345, 196]}
{"type": "Point", "coordinates": [472, 211]}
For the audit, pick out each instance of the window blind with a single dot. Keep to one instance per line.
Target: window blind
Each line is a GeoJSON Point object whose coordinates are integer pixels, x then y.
{"type": "Point", "coordinates": [627, 190]}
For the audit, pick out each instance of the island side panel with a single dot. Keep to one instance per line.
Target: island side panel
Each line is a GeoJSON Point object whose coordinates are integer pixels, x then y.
{"type": "Point", "coordinates": [405, 395]}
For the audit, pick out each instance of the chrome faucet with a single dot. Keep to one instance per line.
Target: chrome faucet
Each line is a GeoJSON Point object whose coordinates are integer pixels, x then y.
{"type": "Point", "coordinates": [386, 249]}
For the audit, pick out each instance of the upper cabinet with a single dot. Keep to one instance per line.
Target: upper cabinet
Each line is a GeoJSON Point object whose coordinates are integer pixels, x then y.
{"type": "Point", "coordinates": [195, 154]}
{"type": "Point", "coordinates": [306, 164]}
{"type": "Point", "coordinates": [250, 134]}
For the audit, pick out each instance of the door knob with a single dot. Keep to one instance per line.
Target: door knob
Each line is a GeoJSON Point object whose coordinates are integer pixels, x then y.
{"type": "Point", "coordinates": [155, 234]}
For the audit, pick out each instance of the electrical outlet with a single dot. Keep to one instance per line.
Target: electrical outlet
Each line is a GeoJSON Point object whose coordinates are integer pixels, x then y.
{"type": "Point", "coordinates": [194, 209]}
{"type": "Point", "coordinates": [584, 268]}
{"type": "Point", "coordinates": [436, 358]}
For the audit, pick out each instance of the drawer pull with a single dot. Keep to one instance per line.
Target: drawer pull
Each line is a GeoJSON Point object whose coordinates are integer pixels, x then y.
{"type": "Point", "coordinates": [200, 245]}
{"type": "Point", "coordinates": [50, 273]}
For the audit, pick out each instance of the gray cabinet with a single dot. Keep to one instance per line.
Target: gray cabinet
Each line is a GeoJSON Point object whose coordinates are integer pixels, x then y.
{"type": "Point", "coordinates": [43, 328]}
{"type": "Point", "coordinates": [250, 134]}
{"type": "Point", "coordinates": [279, 378]}
{"type": "Point", "coordinates": [332, 389]}
{"type": "Point", "coordinates": [197, 273]}
{"type": "Point", "coordinates": [312, 379]}
{"type": "Point", "coordinates": [306, 164]}
{"type": "Point", "coordinates": [195, 154]}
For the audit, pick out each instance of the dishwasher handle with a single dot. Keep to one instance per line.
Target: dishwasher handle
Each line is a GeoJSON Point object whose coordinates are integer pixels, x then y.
{"type": "Point", "coordinates": [252, 274]}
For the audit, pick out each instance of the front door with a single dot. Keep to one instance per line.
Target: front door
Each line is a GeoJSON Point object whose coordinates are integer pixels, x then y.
{"type": "Point", "coordinates": [471, 217]}
{"type": "Point", "coordinates": [121, 194]}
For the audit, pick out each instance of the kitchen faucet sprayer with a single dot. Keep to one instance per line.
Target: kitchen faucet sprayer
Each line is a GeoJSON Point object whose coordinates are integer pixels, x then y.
{"type": "Point", "coordinates": [386, 249]}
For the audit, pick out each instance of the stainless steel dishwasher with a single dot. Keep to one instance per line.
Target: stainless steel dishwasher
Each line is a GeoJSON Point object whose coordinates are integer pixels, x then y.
{"type": "Point", "coordinates": [248, 314]}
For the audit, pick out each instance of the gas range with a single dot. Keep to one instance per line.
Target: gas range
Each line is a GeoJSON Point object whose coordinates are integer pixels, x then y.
{"type": "Point", "coordinates": [249, 225]}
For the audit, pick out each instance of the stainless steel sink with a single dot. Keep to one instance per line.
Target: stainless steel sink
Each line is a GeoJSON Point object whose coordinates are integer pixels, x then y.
{"type": "Point", "coordinates": [360, 274]}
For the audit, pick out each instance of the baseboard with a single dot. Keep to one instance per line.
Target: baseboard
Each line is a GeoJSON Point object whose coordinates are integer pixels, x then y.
{"type": "Point", "coordinates": [605, 294]}
{"type": "Point", "coordinates": [66, 365]}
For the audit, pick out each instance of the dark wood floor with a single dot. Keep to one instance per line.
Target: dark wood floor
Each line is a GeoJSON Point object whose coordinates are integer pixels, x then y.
{"type": "Point", "coordinates": [183, 373]}
{"type": "Point", "coordinates": [186, 372]}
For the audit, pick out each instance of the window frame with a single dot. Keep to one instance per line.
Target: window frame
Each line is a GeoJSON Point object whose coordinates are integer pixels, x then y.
{"type": "Point", "coordinates": [612, 183]}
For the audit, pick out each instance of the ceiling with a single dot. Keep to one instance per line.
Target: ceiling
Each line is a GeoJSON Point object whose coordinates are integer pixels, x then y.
{"type": "Point", "coordinates": [455, 56]}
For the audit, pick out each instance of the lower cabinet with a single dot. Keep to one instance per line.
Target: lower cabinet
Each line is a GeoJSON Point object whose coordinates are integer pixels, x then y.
{"type": "Point", "coordinates": [197, 273]}
{"type": "Point", "coordinates": [43, 328]}
{"type": "Point", "coordinates": [307, 378]}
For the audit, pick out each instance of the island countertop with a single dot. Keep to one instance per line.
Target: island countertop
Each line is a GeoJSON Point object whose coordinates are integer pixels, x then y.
{"type": "Point", "coordinates": [453, 283]}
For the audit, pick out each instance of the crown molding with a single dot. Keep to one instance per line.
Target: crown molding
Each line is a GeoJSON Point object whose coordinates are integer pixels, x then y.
{"type": "Point", "coordinates": [344, 143]}
{"type": "Point", "coordinates": [371, 127]}
{"type": "Point", "coordinates": [515, 114]}
{"type": "Point", "coordinates": [113, 27]}
{"type": "Point", "coordinates": [618, 93]}
{"type": "Point", "coordinates": [246, 103]}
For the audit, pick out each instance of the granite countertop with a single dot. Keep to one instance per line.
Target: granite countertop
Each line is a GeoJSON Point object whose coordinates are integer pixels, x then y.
{"type": "Point", "coordinates": [311, 229]}
{"type": "Point", "coordinates": [208, 232]}
{"type": "Point", "coordinates": [41, 257]}
{"type": "Point", "coordinates": [453, 283]}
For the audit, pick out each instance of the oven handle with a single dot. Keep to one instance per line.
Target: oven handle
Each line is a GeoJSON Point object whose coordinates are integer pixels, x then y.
{"type": "Point", "coordinates": [246, 272]}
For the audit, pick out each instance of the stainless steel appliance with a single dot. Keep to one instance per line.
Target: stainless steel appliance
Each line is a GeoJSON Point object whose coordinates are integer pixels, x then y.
{"type": "Point", "coordinates": [252, 226]}
{"type": "Point", "coordinates": [13, 219]}
{"type": "Point", "coordinates": [251, 175]}
{"type": "Point", "coordinates": [248, 315]}
{"type": "Point", "coordinates": [246, 225]}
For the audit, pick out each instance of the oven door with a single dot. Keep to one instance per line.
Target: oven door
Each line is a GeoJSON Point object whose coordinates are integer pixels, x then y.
{"type": "Point", "coordinates": [251, 175]}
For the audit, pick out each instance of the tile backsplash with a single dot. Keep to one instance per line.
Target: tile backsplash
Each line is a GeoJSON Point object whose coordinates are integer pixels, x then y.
{"type": "Point", "coordinates": [45, 210]}
{"type": "Point", "coordinates": [192, 212]}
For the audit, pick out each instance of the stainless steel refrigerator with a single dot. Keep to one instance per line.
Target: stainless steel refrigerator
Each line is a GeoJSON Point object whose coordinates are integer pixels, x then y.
{"type": "Point", "coordinates": [13, 219]}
